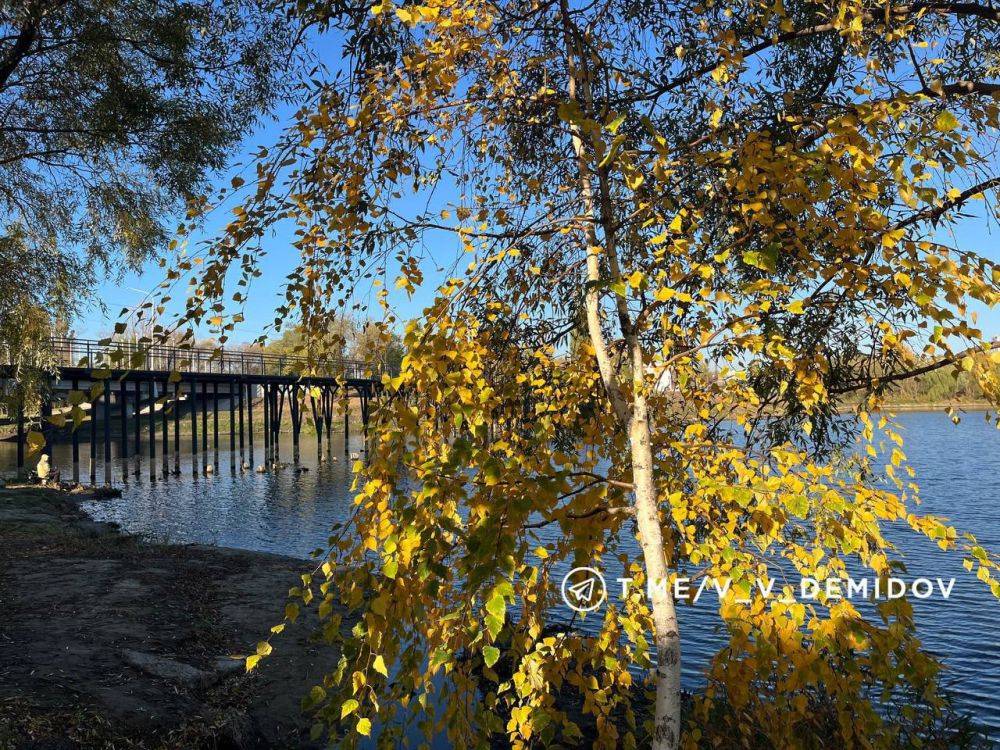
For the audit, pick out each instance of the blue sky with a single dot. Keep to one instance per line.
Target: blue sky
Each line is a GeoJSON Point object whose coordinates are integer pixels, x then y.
{"type": "Point", "coordinates": [440, 249]}
{"type": "Point", "coordinates": [975, 232]}
{"type": "Point", "coordinates": [113, 295]}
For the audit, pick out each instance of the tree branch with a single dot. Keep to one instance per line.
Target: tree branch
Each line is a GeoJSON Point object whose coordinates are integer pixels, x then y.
{"type": "Point", "coordinates": [916, 372]}
{"type": "Point", "coordinates": [935, 212]}
{"type": "Point", "coordinates": [944, 8]}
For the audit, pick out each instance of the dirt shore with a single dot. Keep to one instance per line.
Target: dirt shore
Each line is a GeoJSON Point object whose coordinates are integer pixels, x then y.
{"type": "Point", "coordinates": [107, 641]}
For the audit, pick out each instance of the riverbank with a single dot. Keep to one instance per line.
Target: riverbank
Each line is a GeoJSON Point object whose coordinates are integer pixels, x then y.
{"type": "Point", "coordinates": [109, 641]}
{"type": "Point", "coordinates": [939, 406]}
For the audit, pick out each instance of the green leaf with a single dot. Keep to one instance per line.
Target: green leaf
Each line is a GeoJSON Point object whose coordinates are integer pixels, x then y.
{"type": "Point", "coordinates": [799, 505]}
{"type": "Point", "coordinates": [616, 145]}
{"type": "Point", "coordinates": [491, 471]}
{"type": "Point", "coordinates": [390, 568]}
{"type": "Point", "coordinates": [441, 656]}
{"type": "Point", "coordinates": [494, 625]}
{"type": "Point", "coordinates": [490, 655]}
{"type": "Point", "coordinates": [497, 606]}
{"type": "Point", "coordinates": [765, 260]}
{"type": "Point", "coordinates": [946, 122]}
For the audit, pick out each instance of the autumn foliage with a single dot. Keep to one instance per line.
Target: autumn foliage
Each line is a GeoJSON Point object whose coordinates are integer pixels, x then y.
{"type": "Point", "coordinates": [660, 246]}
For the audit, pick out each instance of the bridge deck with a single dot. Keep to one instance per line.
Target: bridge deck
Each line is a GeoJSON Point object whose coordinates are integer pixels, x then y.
{"type": "Point", "coordinates": [142, 360]}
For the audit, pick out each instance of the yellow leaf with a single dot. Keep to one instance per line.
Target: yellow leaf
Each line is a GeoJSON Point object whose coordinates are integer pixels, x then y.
{"type": "Point", "coordinates": [348, 707]}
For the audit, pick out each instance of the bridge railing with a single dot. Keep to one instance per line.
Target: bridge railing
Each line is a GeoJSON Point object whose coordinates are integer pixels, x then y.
{"type": "Point", "coordinates": [92, 354]}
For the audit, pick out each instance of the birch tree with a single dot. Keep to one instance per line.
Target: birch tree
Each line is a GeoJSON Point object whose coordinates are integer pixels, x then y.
{"type": "Point", "coordinates": [750, 197]}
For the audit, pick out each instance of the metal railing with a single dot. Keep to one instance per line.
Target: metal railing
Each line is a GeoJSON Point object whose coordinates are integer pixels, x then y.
{"type": "Point", "coordinates": [131, 355]}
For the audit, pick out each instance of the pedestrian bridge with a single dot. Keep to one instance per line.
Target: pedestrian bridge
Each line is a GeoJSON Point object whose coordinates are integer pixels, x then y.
{"type": "Point", "coordinates": [76, 354]}
{"type": "Point", "coordinates": [123, 386]}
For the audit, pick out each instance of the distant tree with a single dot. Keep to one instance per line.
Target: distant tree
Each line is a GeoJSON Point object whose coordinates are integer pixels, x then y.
{"type": "Point", "coordinates": [332, 341]}
{"type": "Point", "coordinates": [113, 114]}
{"type": "Point", "coordinates": [374, 343]}
{"type": "Point", "coordinates": [342, 337]}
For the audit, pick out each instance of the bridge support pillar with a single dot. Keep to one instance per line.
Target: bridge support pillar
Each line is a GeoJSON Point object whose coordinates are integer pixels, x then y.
{"type": "Point", "coordinates": [76, 443]}
{"type": "Point", "coordinates": [232, 426]}
{"type": "Point", "coordinates": [93, 440]}
{"type": "Point", "coordinates": [123, 421]}
{"type": "Point", "coordinates": [177, 428]}
{"type": "Point", "coordinates": [239, 385]}
{"type": "Point", "coordinates": [318, 425]}
{"type": "Point", "coordinates": [138, 427]}
{"type": "Point", "coordinates": [107, 432]}
{"type": "Point", "coordinates": [330, 402]}
{"type": "Point", "coordinates": [204, 426]}
{"type": "Point", "coordinates": [193, 396]}
{"type": "Point", "coordinates": [215, 425]}
{"type": "Point", "coordinates": [152, 430]}
{"type": "Point", "coordinates": [20, 436]}
{"type": "Point", "coordinates": [267, 425]}
{"type": "Point", "coordinates": [165, 431]}
{"type": "Point", "coordinates": [250, 390]}
{"type": "Point", "coordinates": [47, 425]}
{"type": "Point", "coordinates": [278, 396]}
{"type": "Point", "coordinates": [293, 413]}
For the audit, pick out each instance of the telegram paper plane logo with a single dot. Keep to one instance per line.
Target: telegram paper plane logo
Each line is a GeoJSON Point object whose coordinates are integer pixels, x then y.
{"type": "Point", "coordinates": [583, 589]}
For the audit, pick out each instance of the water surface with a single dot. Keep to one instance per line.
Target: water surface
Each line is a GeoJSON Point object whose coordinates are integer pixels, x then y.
{"type": "Point", "coordinates": [290, 512]}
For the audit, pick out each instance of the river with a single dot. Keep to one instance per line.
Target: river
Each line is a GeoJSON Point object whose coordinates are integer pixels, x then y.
{"type": "Point", "coordinates": [289, 512]}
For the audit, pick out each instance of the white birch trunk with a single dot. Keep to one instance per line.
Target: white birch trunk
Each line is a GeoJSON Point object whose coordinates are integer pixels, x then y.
{"type": "Point", "coordinates": [666, 635]}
